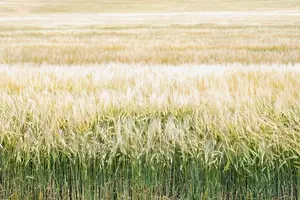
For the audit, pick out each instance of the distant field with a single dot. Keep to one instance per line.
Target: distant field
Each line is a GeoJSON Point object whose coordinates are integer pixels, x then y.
{"type": "Point", "coordinates": [85, 6]}
{"type": "Point", "coordinates": [46, 32]}
{"type": "Point", "coordinates": [158, 38]}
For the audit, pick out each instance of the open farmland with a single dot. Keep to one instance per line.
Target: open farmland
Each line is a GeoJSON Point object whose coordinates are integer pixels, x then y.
{"type": "Point", "coordinates": [150, 99]}
{"type": "Point", "coordinates": [159, 38]}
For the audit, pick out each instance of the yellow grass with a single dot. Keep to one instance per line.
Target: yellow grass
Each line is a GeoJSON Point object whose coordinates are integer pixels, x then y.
{"type": "Point", "coordinates": [77, 94]}
{"type": "Point", "coordinates": [87, 88]}
{"type": "Point", "coordinates": [68, 123]}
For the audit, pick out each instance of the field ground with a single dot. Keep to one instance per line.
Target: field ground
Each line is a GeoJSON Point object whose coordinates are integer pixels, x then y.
{"type": "Point", "coordinates": [149, 99]}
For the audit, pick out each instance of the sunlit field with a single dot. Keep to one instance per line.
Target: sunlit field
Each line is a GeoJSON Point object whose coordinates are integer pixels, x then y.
{"type": "Point", "coordinates": [150, 99]}
{"type": "Point", "coordinates": [152, 38]}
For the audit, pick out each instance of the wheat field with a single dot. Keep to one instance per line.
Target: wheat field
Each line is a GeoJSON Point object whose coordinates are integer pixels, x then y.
{"type": "Point", "coordinates": [170, 38]}
{"type": "Point", "coordinates": [149, 99]}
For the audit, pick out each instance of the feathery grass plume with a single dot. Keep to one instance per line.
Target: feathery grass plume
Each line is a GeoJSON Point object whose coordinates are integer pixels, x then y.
{"type": "Point", "coordinates": [138, 132]}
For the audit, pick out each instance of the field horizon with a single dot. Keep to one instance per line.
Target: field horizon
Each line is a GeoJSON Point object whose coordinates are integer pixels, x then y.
{"type": "Point", "coordinates": [129, 6]}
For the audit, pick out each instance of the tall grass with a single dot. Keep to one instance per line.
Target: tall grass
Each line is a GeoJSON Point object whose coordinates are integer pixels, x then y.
{"type": "Point", "coordinates": [133, 132]}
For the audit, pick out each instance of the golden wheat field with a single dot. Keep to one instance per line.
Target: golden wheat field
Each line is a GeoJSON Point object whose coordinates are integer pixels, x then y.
{"type": "Point", "coordinates": [149, 99]}
{"type": "Point", "coordinates": [152, 38]}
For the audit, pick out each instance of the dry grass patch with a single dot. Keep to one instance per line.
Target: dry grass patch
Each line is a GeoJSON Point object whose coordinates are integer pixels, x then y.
{"type": "Point", "coordinates": [192, 44]}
